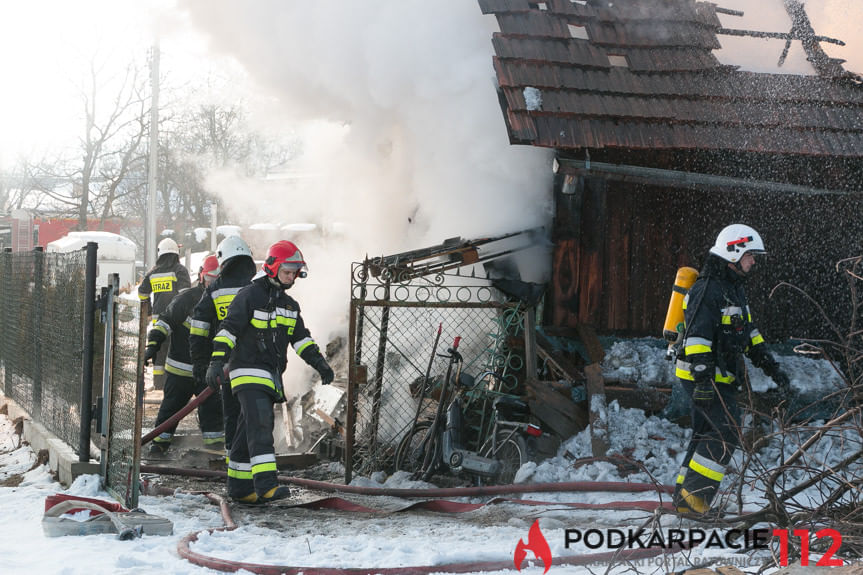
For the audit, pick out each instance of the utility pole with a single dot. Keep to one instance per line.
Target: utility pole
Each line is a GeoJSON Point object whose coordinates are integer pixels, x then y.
{"type": "Point", "coordinates": [214, 209]}
{"type": "Point", "coordinates": [150, 231]}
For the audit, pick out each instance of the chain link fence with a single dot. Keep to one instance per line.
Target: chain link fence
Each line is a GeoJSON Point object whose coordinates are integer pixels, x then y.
{"type": "Point", "coordinates": [43, 353]}
{"type": "Point", "coordinates": [42, 306]}
{"type": "Point", "coordinates": [393, 329]}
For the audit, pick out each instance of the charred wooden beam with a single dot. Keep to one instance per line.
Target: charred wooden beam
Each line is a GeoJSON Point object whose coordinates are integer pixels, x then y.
{"type": "Point", "coordinates": [801, 28]}
{"type": "Point", "coordinates": [720, 10]}
{"type": "Point", "coordinates": [777, 35]}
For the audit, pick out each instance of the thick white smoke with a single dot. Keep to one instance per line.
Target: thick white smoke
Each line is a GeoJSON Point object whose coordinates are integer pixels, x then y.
{"type": "Point", "coordinates": [403, 140]}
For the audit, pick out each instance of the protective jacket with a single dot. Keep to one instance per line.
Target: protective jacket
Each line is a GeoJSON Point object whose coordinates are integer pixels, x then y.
{"type": "Point", "coordinates": [213, 307]}
{"type": "Point", "coordinates": [174, 322]}
{"type": "Point", "coordinates": [163, 282]}
{"type": "Point", "coordinates": [719, 328]}
{"type": "Point", "coordinates": [261, 322]}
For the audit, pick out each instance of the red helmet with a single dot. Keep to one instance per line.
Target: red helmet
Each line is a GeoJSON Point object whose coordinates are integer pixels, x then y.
{"type": "Point", "coordinates": [210, 267]}
{"type": "Point", "coordinates": [284, 253]}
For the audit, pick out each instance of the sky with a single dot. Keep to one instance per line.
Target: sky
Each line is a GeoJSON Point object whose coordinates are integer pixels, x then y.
{"type": "Point", "coordinates": [838, 19]}
{"type": "Point", "coordinates": [342, 539]}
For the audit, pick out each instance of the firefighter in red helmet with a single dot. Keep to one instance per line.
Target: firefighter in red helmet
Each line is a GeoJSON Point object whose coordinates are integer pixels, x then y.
{"type": "Point", "coordinates": [180, 385]}
{"type": "Point", "coordinates": [261, 322]}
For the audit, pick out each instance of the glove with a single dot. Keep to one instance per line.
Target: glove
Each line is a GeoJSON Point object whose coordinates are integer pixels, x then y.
{"type": "Point", "coordinates": [216, 374]}
{"type": "Point", "coordinates": [150, 354]}
{"type": "Point", "coordinates": [199, 373]}
{"type": "Point", "coordinates": [324, 369]}
{"type": "Point", "coordinates": [703, 394]}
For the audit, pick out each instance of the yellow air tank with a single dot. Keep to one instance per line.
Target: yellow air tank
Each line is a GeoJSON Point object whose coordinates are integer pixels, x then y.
{"type": "Point", "coordinates": [686, 276]}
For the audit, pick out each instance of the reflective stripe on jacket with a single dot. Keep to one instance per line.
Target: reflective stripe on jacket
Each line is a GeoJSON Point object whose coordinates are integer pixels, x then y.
{"type": "Point", "coordinates": [718, 326]}
{"type": "Point", "coordinates": [261, 323]}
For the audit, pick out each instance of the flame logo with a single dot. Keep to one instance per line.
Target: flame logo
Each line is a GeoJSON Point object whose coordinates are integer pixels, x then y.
{"type": "Point", "coordinates": [535, 542]}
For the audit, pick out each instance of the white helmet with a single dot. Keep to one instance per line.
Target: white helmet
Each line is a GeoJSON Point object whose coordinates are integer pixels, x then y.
{"type": "Point", "coordinates": [735, 240]}
{"type": "Point", "coordinates": [167, 246]}
{"type": "Point", "coordinates": [230, 247]}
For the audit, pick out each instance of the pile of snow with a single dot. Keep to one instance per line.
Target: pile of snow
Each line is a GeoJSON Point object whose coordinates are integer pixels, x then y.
{"type": "Point", "coordinates": [643, 362]}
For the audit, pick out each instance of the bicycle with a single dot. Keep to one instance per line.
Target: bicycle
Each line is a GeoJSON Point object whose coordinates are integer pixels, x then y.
{"type": "Point", "coordinates": [438, 443]}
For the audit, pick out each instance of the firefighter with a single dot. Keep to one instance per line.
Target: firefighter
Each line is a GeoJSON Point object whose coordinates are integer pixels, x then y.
{"type": "Point", "coordinates": [158, 288]}
{"type": "Point", "coordinates": [180, 384]}
{"type": "Point", "coordinates": [718, 331]}
{"type": "Point", "coordinates": [236, 268]}
{"type": "Point", "coordinates": [261, 322]}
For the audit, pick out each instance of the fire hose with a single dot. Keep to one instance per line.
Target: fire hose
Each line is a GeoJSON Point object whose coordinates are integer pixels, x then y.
{"type": "Point", "coordinates": [605, 486]}
{"type": "Point", "coordinates": [174, 419]}
{"type": "Point", "coordinates": [185, 551]}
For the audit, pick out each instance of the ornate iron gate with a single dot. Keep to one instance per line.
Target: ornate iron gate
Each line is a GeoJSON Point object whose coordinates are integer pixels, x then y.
{"type": "Point", "coordinates": [394, 318]}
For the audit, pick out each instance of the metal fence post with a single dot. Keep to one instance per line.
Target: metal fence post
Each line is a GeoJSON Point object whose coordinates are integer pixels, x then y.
{"type": "Point", "coordinates": [38, 320]}
{"type": "Point", "coordinates": [87, 352]}
{"type": "Point", "coordinates": [108, 320]}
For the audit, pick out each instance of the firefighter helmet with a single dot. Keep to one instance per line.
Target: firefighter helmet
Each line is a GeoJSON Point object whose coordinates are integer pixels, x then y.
{"type": "Point", "coordinates": [209, 268]}
{"type": "Point", "coordinates": [231, 247]}
{"type": "Point", "coordinates": [735, 240]}
{"type": "Point", "coordinates": [284, 254]}
{"type": "Point", "coordinates": [167, 246]}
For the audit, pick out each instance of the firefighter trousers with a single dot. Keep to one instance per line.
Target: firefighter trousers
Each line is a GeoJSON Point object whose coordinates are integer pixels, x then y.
{"type": "Point", "coordinates": [252, 461]}
{"type": "Point", "coordinates": [230, 414]}
{"type": "Point", "coordinates": [714, 438]}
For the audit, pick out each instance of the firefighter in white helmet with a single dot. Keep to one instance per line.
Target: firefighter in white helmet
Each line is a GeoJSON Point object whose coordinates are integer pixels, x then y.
{"type": "Point", "coordinates": [158, 288]}
{"type": "Point", "coordinates": [236, 268]}
{"type": "Point", "coordinates": [718, 331]}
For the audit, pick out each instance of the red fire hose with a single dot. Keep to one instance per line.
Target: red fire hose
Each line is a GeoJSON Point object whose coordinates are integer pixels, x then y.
{"type": "Point", "coordinates": [174, 419]}
{"type": "Point", "coordinates": [184, 549]}
{"type": "Point", "coordinates": [606, 486]}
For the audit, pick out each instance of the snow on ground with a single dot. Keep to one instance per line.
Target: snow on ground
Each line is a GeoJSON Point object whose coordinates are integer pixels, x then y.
{"type": "Point", "coordinates": [295, 536]}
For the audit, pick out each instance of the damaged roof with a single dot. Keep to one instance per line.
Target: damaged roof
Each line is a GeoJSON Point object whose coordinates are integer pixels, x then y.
{"type": "Point", "coordinates": [641, 74]}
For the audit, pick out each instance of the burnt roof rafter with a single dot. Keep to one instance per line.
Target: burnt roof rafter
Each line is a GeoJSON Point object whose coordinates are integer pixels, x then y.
{"type": "Point", "coordinates": [664, 89]}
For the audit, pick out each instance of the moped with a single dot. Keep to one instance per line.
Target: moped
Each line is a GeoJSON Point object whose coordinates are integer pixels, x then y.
{"type": "Point", "coordinates": [438, 444]}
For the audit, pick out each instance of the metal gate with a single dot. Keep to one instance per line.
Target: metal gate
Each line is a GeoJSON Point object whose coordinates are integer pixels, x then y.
{"type": "Point", "coordinates": [123, 394]}
{"type": "Point", "coordinates": [394, 319]}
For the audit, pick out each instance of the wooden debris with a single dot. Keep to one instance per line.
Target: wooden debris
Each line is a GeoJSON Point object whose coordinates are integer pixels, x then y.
{"type": "Point", "coordinates": [557, 360]}
{"type": "Point", "coordinates": [599, 439]}
{"type": "Point", "coordinates": [555, 409]}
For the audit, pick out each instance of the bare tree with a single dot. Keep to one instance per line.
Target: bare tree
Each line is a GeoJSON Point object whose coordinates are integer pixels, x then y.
{"type": "Point", "coordinates": [202, 139]}
{"type": "Point", "coordinates": [111, 143]}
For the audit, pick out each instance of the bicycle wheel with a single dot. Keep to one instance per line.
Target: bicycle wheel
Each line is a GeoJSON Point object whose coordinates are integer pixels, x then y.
{"type": "Point", "coordinates": [511, 451]}
{"type": "Point", "coordinates": [411, 451]}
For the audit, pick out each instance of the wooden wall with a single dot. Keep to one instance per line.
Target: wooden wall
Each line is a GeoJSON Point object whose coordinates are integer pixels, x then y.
{"type": "Point", "coordinates": [618, 246]}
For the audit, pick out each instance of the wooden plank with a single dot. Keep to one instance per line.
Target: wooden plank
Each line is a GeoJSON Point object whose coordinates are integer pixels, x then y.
{"type": "Point", "coordinates": [599, 439]}
{"type": "Point", "coordinates": [296, 460]}
{"type": "Point", "coordinates": [555, 410]}
{"type": "Point", "coordinates": [333, 423]}
{"type": "Point", "coordinates": [564, 287]}
{"type": "Point", "coordinates": [587, 335]}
